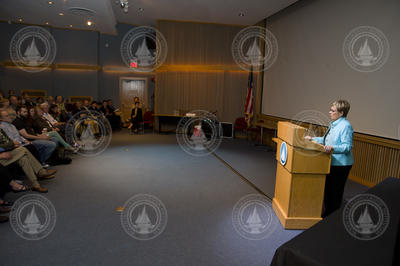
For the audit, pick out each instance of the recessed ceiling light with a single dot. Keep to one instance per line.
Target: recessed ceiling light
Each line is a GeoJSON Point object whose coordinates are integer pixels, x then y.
{"type": "Point", "coordinates": [140, 9]}
{"type": "Point", "coordinates": [20, 19]}
{"type": "Point", "coordinates": [50, 2]}
{"type": "Point", "coordinates": [61, 14]}
{"type": "Point", "coordinates": [241, 14]}
{"type": "Point", "coordinates": [89, 23]}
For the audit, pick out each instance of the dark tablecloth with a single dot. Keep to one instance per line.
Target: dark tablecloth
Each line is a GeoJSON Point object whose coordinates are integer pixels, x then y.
{"type": "Point", "coordinates": [328, 242]}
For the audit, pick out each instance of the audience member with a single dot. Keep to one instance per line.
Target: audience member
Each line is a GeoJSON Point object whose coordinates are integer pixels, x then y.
{"type": "Point", "coordinates": [137, 117]}
{"type": "Point", "coordinates": [4, 103]}
{"type": "Point", "coordinates": [39, 100]}
{"type": "Point", "coordinates": [6, 182]}
{"type": "Point", "coordinates": [93, 106]}
{"type": "Point", "coordinates": [50, 100]}
{"type": "Point", "coordinates": [86, 105]}
{"type": "Point", "coordinates": [55, 112]}
{"type": "Point", "coordinates": [78, 107]}
{"type": "Point", "coordinates": [40, 126]}
{"type": "Point", "coordinates": [40, 122]}
{"type": "Point", "coordinates": [31, 167]}
{"type": "Point", "coordinates": [115, 120]}
{"type": "Point", "coordinates": [11, 92]}
{"type": "Point", "coordinates": [50, 118]}
{"type": "Point", "coordinates": [104, 108]}
{"type": "Point", "coordinates": [62, 109]}
{"type": "Point", "coordinates": [27, 100]}
{"type": "Point", "coordinates": [43, 147]}
{"type": "Point", "coordinates": [20, 100]}
{"type": "Point", "coordinates": [13, 102]}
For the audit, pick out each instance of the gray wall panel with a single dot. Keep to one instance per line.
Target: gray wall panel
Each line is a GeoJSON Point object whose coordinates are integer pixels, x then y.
{"type": "Point", "coordinates": [311, 71]}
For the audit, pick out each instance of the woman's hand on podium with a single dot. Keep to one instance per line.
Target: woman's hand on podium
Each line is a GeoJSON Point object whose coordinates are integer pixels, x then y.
{"type": "Point", "coordinates": [328, 149]}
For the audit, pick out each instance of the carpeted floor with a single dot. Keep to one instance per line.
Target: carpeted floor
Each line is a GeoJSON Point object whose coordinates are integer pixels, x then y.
{"type": "Point", "coordinates": [199, 194]}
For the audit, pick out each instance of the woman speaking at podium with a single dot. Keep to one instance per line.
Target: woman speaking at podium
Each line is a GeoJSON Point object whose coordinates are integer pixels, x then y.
{"type": "Point", "coordinates": [338, 139]}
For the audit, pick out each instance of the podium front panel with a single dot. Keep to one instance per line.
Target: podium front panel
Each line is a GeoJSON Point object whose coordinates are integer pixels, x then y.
{"type": "Point", "coordinates": [304, 161]}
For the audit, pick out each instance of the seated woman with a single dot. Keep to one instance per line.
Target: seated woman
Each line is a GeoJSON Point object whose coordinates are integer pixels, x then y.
{"type": "Point", "coordinates": [137, 117]}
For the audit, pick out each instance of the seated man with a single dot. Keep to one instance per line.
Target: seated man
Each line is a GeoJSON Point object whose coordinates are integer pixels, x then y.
{"type": "Point", "coordinates": [13, 153]}
{"type": "Point", "coordinates": [13, 102]}
{"type": "Point", "coordinates": [44, 147]}
{"type": "Point", "coordinates": [86, 104]}
{"type": "Point", "coordinates": [27, 100]}
{"type": "Point", "coordinates": [50, 118]}
{"type": "Point", "coordinates": [94, 106]}
{"type": "Point", "coordinates": [40, 122]}
{"type": "Point", "coordinates": [77, 107]}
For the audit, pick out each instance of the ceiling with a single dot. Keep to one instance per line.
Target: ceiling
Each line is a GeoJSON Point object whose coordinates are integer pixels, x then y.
{"type": "Point", "coordinates": [105, 14]}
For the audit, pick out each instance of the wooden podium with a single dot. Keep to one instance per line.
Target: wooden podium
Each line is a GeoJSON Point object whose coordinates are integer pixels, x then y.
{"type": "Point", "coordinates": [300, 177]}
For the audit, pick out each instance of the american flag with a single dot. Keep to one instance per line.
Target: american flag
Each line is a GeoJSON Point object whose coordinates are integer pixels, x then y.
{"type": "Point", "coordinates": [248, 107]}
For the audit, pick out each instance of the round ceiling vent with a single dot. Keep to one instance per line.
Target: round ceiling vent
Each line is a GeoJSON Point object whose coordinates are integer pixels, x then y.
{"type": "Point", "coordinates": [81, 11]}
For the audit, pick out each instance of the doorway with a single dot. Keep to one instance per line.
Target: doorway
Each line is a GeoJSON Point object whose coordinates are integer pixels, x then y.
{"type": "Point", "coordinates": [129, 88]}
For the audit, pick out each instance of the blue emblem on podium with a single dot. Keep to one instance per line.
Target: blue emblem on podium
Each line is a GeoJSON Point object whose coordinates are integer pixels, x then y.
{"type": "Point", "coordinates": [283, 153]}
